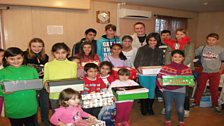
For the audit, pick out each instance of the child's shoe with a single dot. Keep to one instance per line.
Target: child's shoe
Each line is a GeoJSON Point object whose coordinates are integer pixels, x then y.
{"type": "Point", "coordinates": [194, 105]}
{"type": "Point", "coordinates": [168, 123]}
{"type": "Point", "coordinates": [218, 109]}
{"type": "Point", "coordinates": [181, 124]}
{"type": "Point", "coordinates": [160, 99]}
{"type": "Point", "coordinates": [186, 113]}
{"type": "Point", "coordinates": [163, 112]}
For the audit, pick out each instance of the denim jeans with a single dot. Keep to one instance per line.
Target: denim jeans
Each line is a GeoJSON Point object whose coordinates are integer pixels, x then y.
{"type": "Point", "coordinates": [179, 101]}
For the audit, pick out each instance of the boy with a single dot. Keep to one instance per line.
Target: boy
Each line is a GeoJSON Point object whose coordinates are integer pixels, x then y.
{"type": "Point", "coordinates": [165, 34]}
{"type": "Point", "coordinates": [106, 41]}
{"type": "Point", "coordinates": [92, 84]}
{"type": "Point", "coordinates": [90, 35]}
{"type": "Point", "coordinates": [212, 55]}
{"type": "Point", "coordinates": [139, 37]}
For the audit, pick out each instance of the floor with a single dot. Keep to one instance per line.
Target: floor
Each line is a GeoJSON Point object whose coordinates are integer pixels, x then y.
{"type": "Point", "coordinates": [198, 117]}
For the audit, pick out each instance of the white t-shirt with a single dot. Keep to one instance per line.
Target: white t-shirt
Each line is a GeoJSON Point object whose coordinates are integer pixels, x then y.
{"type": "Point", "coordinates": [131, 56]}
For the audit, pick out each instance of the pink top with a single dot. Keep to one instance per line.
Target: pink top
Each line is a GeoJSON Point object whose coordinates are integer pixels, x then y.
{"type": "Point", "coordinates": [68, 115]}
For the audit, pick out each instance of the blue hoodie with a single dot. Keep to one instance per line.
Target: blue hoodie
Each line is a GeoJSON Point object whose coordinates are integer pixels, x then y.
{"type": "Point", "coordinates": [104, 44]}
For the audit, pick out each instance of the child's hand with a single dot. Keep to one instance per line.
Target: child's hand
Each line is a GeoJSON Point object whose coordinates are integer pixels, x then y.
{"type": "Point", "coordinates": [41, 73]}
{"type": "Point", "coordinates": [61, 124]}
{"type": "Point", "coordinates": [92, 118]}
{"type": "Point", "coordinates": [46, 87]}
{"type": "Point", "coordinates": [139, 70]}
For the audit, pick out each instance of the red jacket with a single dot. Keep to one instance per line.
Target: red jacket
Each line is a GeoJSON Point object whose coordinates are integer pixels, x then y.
{"type": "Point", "coordinates": [93, 85]}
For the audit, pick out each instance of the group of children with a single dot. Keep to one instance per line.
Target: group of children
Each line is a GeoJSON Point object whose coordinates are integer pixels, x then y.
{"type": "Point", "coordinates": [95, 68]}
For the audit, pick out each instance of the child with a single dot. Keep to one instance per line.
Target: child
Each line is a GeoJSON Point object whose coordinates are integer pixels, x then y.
{"type": "Point", "coordinates": [183, 43]}
{"type": "Point", "coordinates": [1, 67]}
{"type": "Point", "coordinates": [90, 35]}
{"type": "Point", "coordinates": [149, 55]}
{"type": "Point", "coordinates": [105, 42]}
{"type": "Point", "coordinates": [87, 54]}
{"type": "Point", "coordinates": [80, 71]}
{"type": "Point", "coordinates": [123, 108]}
{"type": "Point", "coordinates": [128, 50]}
{"type": "Point", "coordinates": [70, 111]}
{"type": "Point", "coordinates": [117, 58]}
{"type": "Point", "coordinates": [35, 56]}
{"type": "Point", "coordinates": [211, 57]}
{"type": "Point", "coordinates": [105, 72]}
{"type": "Point", "coordinates": [20, 106]}
{"type": "Point", "coordinates": [92, 84]}
{"type": "Point", "coordinates": [59, 68]}
{"type": "Point", "coordinates": [174, 93]}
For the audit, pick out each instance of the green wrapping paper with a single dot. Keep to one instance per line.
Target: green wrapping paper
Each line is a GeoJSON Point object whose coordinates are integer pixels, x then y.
{"type": "Point", "coordinates": [178, 81]}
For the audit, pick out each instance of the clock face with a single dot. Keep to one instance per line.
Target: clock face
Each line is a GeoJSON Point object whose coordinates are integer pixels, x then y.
{"type": "Point", "coordinates": [103, 16]}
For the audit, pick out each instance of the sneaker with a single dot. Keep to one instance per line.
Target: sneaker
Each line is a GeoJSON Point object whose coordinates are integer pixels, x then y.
{"type": "Point", "coordinates": [163, 112]}
{"type": "Point", "coordinates": [160, 99]}
{"type": "Point", "coordinates": [218, 109]}
{"type": "Point", "coordinates": [168, 123]}
{"type": "Point", "coordinates": [186, 113]}
{"type": "Point", "coordinates": [181, 124]}
{"type": "Point", "coordinates": [194, 105]}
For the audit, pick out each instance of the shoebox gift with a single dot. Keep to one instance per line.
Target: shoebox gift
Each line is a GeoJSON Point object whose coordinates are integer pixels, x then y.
{"type": "Point", "coordinates": [205, 101]}
{"type": "Point", "coordinates": [59, 85]}
{"type": "Point", "coordinates": [130, 93]}
{"type": "Point", "coordinates": [152, 70]}
{"type": "Point", "coordinates": [18, 85]}
{"type": "Point", "coordinates": [86, 122]}
{"type": "Point", "coordinates": [178, 81]}
{"type": "Point", "coordinates": [100, 99]}
{"type": "Point", "coordinates": [133, 72]}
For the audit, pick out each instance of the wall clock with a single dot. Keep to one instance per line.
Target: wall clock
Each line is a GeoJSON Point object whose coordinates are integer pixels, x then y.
{"type": "Point", "coordinates": [103, 17]}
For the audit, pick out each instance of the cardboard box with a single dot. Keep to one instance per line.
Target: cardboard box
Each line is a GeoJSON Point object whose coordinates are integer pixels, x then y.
{"type": "Point", "coordinates": [152, 70]}
{"type": "Point", "coordinates": [178, 80]}
{"type": "Point", "coordinates": [90, 123]}
{"type": "Point", "coordinates": [97, 99]}
{"type": "Point", "coordinates": [130, 93]}
{"type": "Point", "coordinates": [18, 85]}
{"type": "Point", "coordinates": [205, 101]}
{"type": "Point", "coordinates": [59, 85]}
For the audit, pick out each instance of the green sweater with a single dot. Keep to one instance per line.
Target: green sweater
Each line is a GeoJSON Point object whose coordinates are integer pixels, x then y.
{"type": "Point", "coordinates": [19, 104]}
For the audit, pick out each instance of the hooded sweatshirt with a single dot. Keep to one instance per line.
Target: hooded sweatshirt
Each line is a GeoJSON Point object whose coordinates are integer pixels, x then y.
{"type": "Point", "coordinates": [104, 44]}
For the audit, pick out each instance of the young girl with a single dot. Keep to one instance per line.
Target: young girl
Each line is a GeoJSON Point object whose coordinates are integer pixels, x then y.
{"type": "Point", "coordinates": [87, 54]}
{"type": "Point", "coordinates": [35, 56]}
{"type": "Point", "coordinates": [128, 50]}
{"type": "Point", "coordinates": [117, 58]}
{"type": "Point", "coordinates": [105, 72]}
{"type": "Point", "coordinates": [149, 55]}
{"type": "Point", "coordinates": [80, 71]}
{"type": "Point", "coordinates": [123, 108]}
{"type": "Point", "coordinates": [183, 43]}
{"type": "Point", "coordinates": [59, 68]}
{"type": "Point", "coordinates": [174, 93]}
{"type": "Point", "coordinates": [20, 106]}
{"type": "Point", "coordinates": [92, 84]}
{"type": "Point", "coordinates": [70, 111]}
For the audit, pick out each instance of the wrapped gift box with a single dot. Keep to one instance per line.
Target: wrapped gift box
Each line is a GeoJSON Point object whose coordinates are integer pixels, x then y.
{"type": "Point", "coordinates": [130, 93]}
{"type": "Point", "coordinates": [10, 86]}
{"type": "Point", "coordinates": [178, 80]}
{"type": "Point", "coordinates": [205, 101]}
{"type": "Point", "coordinates": [97, 99]}
{"type": "Point", "coordinates": [133, 72]}
{"type": "Point", "coordinates": [152, 70]}
{"type": "Point", "coordinates": [59, 85]}
{"type": "Point", "coordinates": [90, 123]}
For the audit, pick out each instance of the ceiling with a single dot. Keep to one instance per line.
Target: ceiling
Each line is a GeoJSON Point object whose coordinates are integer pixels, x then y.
{"type": "Point", "coordinates": [189, 5]}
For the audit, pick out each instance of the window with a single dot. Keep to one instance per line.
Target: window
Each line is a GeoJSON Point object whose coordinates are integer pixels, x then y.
{"type": "Point", "coordinates": [169, 23]}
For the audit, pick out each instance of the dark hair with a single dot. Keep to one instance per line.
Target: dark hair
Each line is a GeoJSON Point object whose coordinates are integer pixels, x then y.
{"type": "Point", "coordinates": [90, 30]}
{"type": "Point", "coordinates": [124, 71]}
{"type": "Point", "coordinates": [30, 53]}
{"type": "Point", "coordinates": [82, 53]}
{"type": "Point", "coordinates": [110, 26]}
{"type": "Point", "coordinates": [213, 35]}
{"type": "Point", "coordinates": [121, 55]}
{"type": "Point", "coordinates": [89, 66]}
{"type": "Point", "coordinates": [127, 37]}
{"type": "Point", "coordinates": [156, 36]}
{"type": "Point", "coordinates": [165, 31]}
{"type": "Point", "coordinates": [11, 52]}
{"type": "Point", "coordinates": [67, 94]}
{"type": "Point", "coordinates": [106, 63]}
{"type": "Point", "coordinates": [73, 58]}
{"type": "Point", "coordinates": [177, 52]}
{"type": "Point", "coordinates": [137, 23]}
{"type": "Point", "coordinates": [60, 45]}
